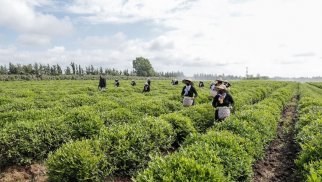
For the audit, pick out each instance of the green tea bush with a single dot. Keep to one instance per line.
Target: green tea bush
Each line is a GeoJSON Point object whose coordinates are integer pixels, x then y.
{"type": "Point", "coordinates": [246, 130]}
{"type": "Point", "coordinates": [17, 105]}
{"type": "Point", "coordinates": [194, 163]}
{"type": "Point", "coordinates": [309, 134]}
{"type": "Point", "coordinates": [77, 161]}
{"type": "Point", "coordinates": [182, 126]}
{"type": "Point", "coordinates": [127, 146]}
{"type": "Point", "coordinates": [84, 122]}
{"type": "Point", "coordinates": [233, 151]}
{"type": "Point", "coordinates": [173, 105]}
{"type": "Point", "coordinates": [314, 171]}
{"type": "Point", "coordinates": [25, 142]}
{"type": "Point", "coordinates": [78, 100]}
{"type": "Point", "coordinates": [118, 116]}
{"type": "Point", "coordinates": [311, 150]}
{"type": "Point", "coordinates": [202, 116]}
{"type": "Point", "coordinates": [106, 105]}
{"type": "Point", "coordinates": [150, 107]}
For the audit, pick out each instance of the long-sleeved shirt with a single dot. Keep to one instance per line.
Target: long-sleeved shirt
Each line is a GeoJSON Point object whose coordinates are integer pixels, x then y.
{"type": "Point", "coordinates": [146, 88]}
{"type": "Point", "coordinates": [228, 101]}
{"type": "Point", "coordinates": [190, 92]}
{"type": "Point", "coordinates": [102, 83]}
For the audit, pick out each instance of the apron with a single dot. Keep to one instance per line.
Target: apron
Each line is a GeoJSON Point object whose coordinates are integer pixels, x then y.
{"type": "Point", "coordinates": [187, 101]}
{"type": "Point", "coordinates": [223, 112]}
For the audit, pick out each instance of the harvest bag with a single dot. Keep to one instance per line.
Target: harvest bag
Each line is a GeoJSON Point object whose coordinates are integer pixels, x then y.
{"type": "Point", "coordinates": [223, 112]}
{"type": "Point", "coordinates": [187, 101]}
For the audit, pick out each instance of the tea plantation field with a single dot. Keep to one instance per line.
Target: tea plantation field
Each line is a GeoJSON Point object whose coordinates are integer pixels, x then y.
{"type": "Point", "coordinates": [82, 134]}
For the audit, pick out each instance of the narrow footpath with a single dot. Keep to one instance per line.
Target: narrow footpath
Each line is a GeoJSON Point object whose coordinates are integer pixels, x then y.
{"type": "Point", "coordinates": [278, 164]}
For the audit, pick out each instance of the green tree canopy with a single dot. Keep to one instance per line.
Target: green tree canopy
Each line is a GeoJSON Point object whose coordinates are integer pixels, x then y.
{"type": "Point", "coordinates": [143, 67]}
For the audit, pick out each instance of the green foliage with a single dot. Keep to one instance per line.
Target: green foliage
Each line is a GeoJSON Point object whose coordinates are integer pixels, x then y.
{"type": "Point", "coordinates": [78, 100]}
{"type": "Point", "coordinates": [231, 149]}
{"type": "Point", "coordinates": [247, 130]}
{"type": "Point", "coordinates": [24, 142]}
{"type": "Point", "coordinates": [84, 122]}
{"type": "Point", "coordinates": [309, 136]}
{"type": "Point", "coordinates": [118, 116]}
{"type": "Point", "coordinates": [311, 151]}
{"type": "Point", "coordinates": [202, 116]}
{"type": "Point", "coordinates": [182, 126]}
{"type": "Point", "coordinates": [143, 67]}
{"type": "Point", "coordinates": [194, 163]}
{"type": "Point", "coordinates": [236, 142]}
{"type": "Point", "coordinates": [77, 161]}
{"type": "Point", "coordinates": [127, 146]}
{"type": "Point", "coordinates": [30, 129]}
{"type": "Point", "coordinates": [315, 171]}
{"type": "Point", "coordinates": [151, 107]}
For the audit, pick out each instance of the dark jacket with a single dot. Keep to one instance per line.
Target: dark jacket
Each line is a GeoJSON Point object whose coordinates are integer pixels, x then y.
{"type": "Point", "coordinates": [190, 92]}
{"type": "Point", "coordinates": [117, 83]}
{"type": "Point", "coordinates": [228, 101]}
{"type": "Point", "coordinates": [102, 83]}
{"type": "Point", "coordinates": [146, 88]}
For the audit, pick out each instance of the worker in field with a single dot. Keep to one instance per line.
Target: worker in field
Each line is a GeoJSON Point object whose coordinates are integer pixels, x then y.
{"type": "Point", "coordinates": [133, 83]}
{"type": "Point", "coordinates": [146, 87]}
{"type": "Point", "coordinates": [219, 82]}
{"type": "Point", "coordinates": [116, 83]}
{"type": "Point", "coordinates": [149, 81]}
{"type": "Point", "coordinates": [223, 103]}
{"type": "Point", "coordinates": [213, 89]}
{"type": "Point", "coordinates": [189, 93]}
{"type": "Point", "coordinates": [102, 83]}
{"type": "Point", "coordinates": [201, 84]}
{"type": "Point", "coordinates": [227, 84]}
{"type": "Point", "coordinates": [175, 82]}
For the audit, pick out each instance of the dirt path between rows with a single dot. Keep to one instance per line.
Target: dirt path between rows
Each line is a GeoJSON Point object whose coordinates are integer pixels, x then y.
{"type": "Point", "coordinates": [278, 163]}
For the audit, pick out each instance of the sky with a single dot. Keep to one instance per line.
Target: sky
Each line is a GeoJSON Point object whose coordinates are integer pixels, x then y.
{"type": "Point", "coordinates": [270, 37]}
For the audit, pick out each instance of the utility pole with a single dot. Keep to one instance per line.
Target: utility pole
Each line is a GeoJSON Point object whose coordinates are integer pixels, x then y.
{"type": "Point", "coordinates": [246, 72]}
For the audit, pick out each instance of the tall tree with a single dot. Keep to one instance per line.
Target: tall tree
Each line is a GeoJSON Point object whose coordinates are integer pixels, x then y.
{"type": "Point", "coordinates": [68, 71]}
{"type": "Point", "coordinates": [143, 67]}
{"type": "Point", "coordinates": [72, 64]}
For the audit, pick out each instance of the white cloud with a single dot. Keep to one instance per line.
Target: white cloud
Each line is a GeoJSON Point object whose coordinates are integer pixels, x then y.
{"type": "Point", "coordinates": [120, 11]}
{"type": "Point", "coordinates": [22, 17]}
{"type": "Point", "coordinates": [57, 49]}
{"type": "Point", "coordinates": [212, 36]}
{"type": "Point", "coordinates": [33, 40]}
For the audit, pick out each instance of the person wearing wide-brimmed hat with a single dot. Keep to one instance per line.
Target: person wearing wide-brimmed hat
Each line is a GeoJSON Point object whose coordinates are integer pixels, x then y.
{"type": "Point", "coordinates": [219, 82]}
{"type": "Point", "coordinates": [189, 92]}
{"type": "Point", "coordinates": [222, 102]}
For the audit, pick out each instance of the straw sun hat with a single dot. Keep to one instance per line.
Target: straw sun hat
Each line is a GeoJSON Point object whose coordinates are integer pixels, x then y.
{"type": "Point", "coordinates": [221, 87]}
{"type": "Point", "coordinates": [187, 80]}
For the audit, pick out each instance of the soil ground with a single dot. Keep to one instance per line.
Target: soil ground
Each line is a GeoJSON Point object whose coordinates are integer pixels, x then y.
{"type": "Point", "coordinates": [34, 172]}
{"type": "Point", "coordinates": [278, 164]}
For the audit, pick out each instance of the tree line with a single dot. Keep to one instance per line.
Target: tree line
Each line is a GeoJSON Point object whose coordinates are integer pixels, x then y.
{"type": "Point", "coordinates": [141, 67]}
